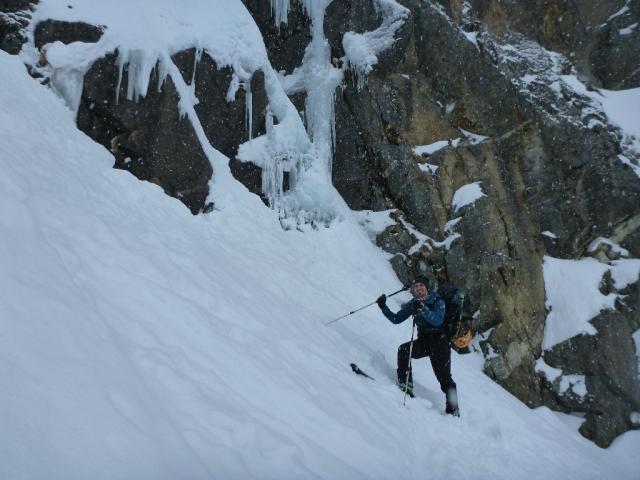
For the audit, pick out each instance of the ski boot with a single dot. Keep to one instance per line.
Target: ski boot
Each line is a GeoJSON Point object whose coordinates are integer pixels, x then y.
{"type": "Point", "coordinates": [452, 403]}
{"type": "Point", "coordinates": [408, 388]}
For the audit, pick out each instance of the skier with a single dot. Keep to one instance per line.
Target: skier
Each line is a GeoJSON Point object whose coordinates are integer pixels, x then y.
{"type": "Point", "coordinates": [428, 310]}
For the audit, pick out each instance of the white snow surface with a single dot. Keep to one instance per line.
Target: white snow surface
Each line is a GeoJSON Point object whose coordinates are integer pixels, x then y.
{"type": "Point", "coordinates": [571, 288]}
{"type": "Point", "coordinates": [362, 49]}
{"type": "Point", "coordinates": [139, 341]}
{"type": "Point", "coordinates": [450, 225]}
{"type": "Point", "coordinates": [625, 272]}
{"type": "Point", "coordinates": [435, 146]}
{"type": "Point", "coordinates": [620, 106]}
{"type": "Point", "coordinates": [606, 241]}
{"type": "Point", "coordinates": [575, 383]}
{"type": "Point", "coordinates": [472, 37]}
{"type": "Point", "coordinates": [473, 138]}
{"type": "Point", "coordinates": [428, 168]}
{"type": "Point", "coordinates": [628, 30]}
{"type": "Point", "coordinates": [466, 195]}
{"type": "Point", "coordinates": [550, 373]}
{"type": "Point", "coordinates": [572, 293]}
{"type": "Point", "coordinates": [374, 223]}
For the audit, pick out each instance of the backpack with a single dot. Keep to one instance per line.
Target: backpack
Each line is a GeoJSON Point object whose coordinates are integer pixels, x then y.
{"type": "Point", "coordinates": [454, 299]}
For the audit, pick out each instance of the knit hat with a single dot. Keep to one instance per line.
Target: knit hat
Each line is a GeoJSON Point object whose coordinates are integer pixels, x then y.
{"type": "Point", "coordinates": [421, 279]}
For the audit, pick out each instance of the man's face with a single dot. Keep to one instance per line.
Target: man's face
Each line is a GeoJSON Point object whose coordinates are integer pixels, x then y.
{"type": "Point", "coordinates": [421, 290]}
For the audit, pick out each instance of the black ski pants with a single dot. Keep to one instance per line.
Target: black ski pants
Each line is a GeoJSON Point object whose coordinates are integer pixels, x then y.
{"type": "Point", "coordinates": [436, 346]}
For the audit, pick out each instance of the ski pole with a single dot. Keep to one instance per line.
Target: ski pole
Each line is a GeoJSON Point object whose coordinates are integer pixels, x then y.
{"type": "Point", "coordinates": [406, 379]}
{"type": "Point", "coordinates": [362, 308]}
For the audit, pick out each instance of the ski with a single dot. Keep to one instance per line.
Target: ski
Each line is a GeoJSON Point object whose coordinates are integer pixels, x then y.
{"type": "Point", "coordinates": [357, 371]}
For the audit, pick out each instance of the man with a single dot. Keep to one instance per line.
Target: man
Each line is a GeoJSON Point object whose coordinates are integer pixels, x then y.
{"type": "Point", "coordinates": [428, 310]}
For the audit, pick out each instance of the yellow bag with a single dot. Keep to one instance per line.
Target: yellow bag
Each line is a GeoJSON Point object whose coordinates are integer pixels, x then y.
{"type": "Point", "coordinates": [463, 340]}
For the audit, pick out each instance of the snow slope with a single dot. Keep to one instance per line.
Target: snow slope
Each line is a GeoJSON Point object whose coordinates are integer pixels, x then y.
{"type": "Point", "coordinates": [139, 341]}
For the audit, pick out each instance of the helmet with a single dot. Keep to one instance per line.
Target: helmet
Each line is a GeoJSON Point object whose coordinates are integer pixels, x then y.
{"type": "Point", "coordinates": [463, 340]}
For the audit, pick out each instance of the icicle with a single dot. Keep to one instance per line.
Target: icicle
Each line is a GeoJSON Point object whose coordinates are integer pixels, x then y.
{"type": "Point", "coordinates": [280, 11]}
{"type": "Point", "coordinates": [234, 85]}
{"type": "Point", "coordinates": [321, 81]}
{"type": "Point", "coordinates": [196, 60]}
{"type": "Point", "coordinates": [271, 178]}
{"type": "Point", "coordinates": [163, 71]}
{"type": "Point", "coordinates": [332, 119]}
{"type": "Point", "coordinates": [139, 67]}
{"type": "Point", "coordinates": [310, 198]}
{"type": "Point", "coordinates": [248, 108]}
{"type": "Point", "coordinates": [123, 59]}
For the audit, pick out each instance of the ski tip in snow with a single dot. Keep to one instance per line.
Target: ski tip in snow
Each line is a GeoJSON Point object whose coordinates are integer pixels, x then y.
{"type": "Point", "coordinates": [357, 370]}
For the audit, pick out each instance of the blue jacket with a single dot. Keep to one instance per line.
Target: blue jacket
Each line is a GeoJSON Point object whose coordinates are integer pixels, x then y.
{"type": "Point", "coordinates": [431, 315]}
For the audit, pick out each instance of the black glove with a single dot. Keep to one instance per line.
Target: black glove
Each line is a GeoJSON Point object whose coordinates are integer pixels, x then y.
{"type": "Point", "coordinates": [417, 305]}
{"type": "Point", "coordinates": [382, 301]}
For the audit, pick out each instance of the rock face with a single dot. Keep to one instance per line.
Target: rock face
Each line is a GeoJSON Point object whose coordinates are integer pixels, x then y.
{"type": "Point", "coordinates": [285, 41]}
{"type": "Point", "coordinates": [14, 18]}
{"type": "Point", "coordinates": [149, 136]}
{"type": "Point", "coordinates": [66, 32]}
{"type": "Point", "coordinates": [542, 160]}
{"type": "Point", "coordinates": [151, 139]}
{"type": "Point", "coordinates": [594, 33]}
{"type": "Point", "coordinates": [539, 172]}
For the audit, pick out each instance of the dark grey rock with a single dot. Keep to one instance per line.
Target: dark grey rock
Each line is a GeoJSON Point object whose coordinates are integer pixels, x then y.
{"type": "Point", "coordinates": [584, 31]}
{"type": "Point", "coordinates": [151, 139]}
{"type": "Point", "coordinates": [66, 32]}
{"type": "Point", "coordinates": [15, 16]}
{"type": "Point", "coordinates": [225, 123]}
{"type": "Point", "coordinates": [286, 43]}
{"type": "Point", "coordinates": [16, 5]}
{"type": "Point", "coordinates": [609, 363]}
{"type": "Point", "coordinates": [148, 137]}
{"type": "Point", "coordinates": [610, 58]}
{"type": "Point", "coordinates": [343, 16]}
{"type": "Point", "coordinates": [395, 239]}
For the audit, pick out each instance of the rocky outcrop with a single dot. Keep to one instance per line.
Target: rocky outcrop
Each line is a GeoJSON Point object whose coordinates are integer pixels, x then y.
{"type": "Point", "coordinates": [608, 363]}
{"type": "Point", "coordinates": [597, 35]}
{"type": "Point", "coordinates": [15, 16]}
{"type": "Point", "coordinates": [51, 31]}
{"type": "Point", "coordinates": [286, 41]}
{"type": "Point", "coordinates": [153, 140]}
{"type": "Point", "coordinates": [149, 136]}
{"type": "Point", "coordinates": [539, 170]}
